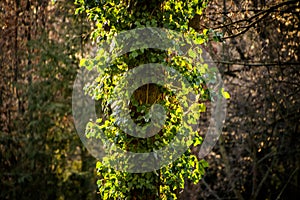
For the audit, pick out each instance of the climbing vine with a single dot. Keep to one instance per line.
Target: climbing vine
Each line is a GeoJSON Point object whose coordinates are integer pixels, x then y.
{"type": "Point", "coordinates": [111, 18]}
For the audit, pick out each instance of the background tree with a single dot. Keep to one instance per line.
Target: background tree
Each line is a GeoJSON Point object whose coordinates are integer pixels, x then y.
{"type": "Point", "coordinates": [41, 155]}
{"type": "Point", "coordinates": [258, 154]}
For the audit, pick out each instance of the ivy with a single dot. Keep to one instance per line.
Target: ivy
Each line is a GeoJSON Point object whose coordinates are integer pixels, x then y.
{"type": "Point", "coordinates": [112, 17]}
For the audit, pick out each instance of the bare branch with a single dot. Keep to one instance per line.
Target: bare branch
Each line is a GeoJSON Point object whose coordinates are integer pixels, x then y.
{"type": "Point", "coordinates": [264, 13]}
{"type": "Point", "coordinates": [291, 176]}
{"type": "Point", "coordinates": [209, 188]}
{"type": "Point", "coordinates": [254, 64]}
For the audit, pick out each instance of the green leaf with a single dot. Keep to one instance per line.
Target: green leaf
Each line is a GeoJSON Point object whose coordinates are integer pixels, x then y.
{"type": "Point", "coordinates": [134, 54]}
{"type": "Point", "coordinates": [197, 141]}
{"type": "Point", "coordinates": [192, 53]}
{"type": "Point", "coordinates": [199, 40]}
{"type": "Point", "coordinates": [225, 94]}
{"type": "Point", "coordinates": [82, 62]}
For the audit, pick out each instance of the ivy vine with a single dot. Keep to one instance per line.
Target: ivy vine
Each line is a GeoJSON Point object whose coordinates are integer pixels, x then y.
{"type": "Point", "coordinates": [112, 17]}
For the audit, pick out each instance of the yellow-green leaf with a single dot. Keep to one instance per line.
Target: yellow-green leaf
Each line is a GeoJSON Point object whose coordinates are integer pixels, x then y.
{"type": "Point", "coordinates": [225, 94]}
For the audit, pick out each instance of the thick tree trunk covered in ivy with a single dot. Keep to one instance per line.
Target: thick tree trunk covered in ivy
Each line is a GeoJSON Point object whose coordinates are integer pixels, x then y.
{"type": "Point", "coordinates": [113, 17]}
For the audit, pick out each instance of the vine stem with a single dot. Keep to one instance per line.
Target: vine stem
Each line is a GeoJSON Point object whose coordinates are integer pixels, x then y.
{"type": "Point", "coordinates": [147, 95]}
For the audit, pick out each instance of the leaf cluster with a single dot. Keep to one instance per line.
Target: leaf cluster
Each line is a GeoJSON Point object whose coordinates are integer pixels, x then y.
{"type": "Point", "coordinates": [111, 18]}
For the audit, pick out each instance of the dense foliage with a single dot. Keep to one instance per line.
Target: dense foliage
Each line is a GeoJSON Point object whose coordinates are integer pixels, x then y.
{"type": "Point", "coordinates": [113, 17]}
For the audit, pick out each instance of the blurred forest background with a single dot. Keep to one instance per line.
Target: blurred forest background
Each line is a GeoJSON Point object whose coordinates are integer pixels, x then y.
{"type": "Point", "coordinates": [258, 154]}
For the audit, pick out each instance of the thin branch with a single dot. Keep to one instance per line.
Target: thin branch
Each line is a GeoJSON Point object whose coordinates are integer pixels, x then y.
{"type": "Point", "coordinates": [271, 154]}
{"type": "Point", "coordinates": [228, 170]}
{"type": "Point", "coordinates": [291, 176]}
{"type": "Point", "coordinates": [210, 190]}
{"type": "Point", "coordinates": [255, 64]}
{"type": "Point", "coordinates": [263, 180]}
{"type": "Point", "coordinates": [247, 27]}
{"type": "Point", "coordinates": [269, 10]}
{"type": "Point", "coordinates": [243, 10]}
{"type": "Point", "coordinates": [263, 12]}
